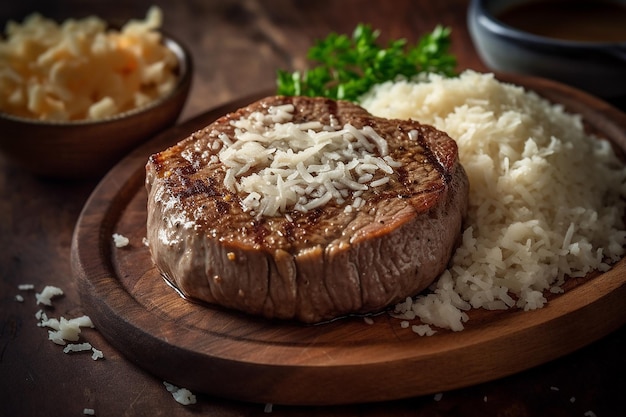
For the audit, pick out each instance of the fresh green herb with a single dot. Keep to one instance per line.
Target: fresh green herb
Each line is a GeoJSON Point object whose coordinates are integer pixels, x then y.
{"type": "Point", "coordinates": [348, 67]}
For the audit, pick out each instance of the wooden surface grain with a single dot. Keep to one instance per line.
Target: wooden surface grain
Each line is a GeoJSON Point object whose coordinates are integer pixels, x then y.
{"type": "Point", "coordinates": [237, 46]}
{"type": "Point", "coordinates": [342, 362]}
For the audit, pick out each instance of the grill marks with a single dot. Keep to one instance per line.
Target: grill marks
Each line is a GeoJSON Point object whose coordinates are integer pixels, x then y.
{"type": "Point", "coordinates": [316, 265]}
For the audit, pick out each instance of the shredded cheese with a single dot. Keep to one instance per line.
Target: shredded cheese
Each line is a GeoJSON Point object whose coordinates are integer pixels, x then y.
{"type": "Point", "coordinates": [80, 69]}
{"type": "Point", "coordinates": [280, 165]}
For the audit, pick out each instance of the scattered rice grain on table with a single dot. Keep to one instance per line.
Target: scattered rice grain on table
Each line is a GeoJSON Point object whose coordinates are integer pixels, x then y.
{"type": "Point", "coordinates": [46, 295]}
{"type": "Point", "coordinates": [120, 241]}
{"type": "Point", "coordinates": [547, 200]}
{"type": "Point", "coordinates": [181, 395]}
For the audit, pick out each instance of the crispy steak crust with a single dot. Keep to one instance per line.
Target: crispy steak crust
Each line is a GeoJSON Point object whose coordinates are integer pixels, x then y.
{"type": "Point", "coordinates": [313, 266]}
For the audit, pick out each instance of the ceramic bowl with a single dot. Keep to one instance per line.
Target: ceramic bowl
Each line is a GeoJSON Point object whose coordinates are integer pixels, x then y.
{"type": "Point", "coordinates": [87, 149]}
{"type": "Point", "coordinates": [597, 67]}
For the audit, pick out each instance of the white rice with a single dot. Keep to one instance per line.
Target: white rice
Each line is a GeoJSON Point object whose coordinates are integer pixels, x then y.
{"type": "Point", "coordinates": [25, 287]}
{"type": "Point", "coordinates": [120, 241]}
{"type": "Point", "coordinates": [64, 330]}
{"type": "Point", "coordinates": [181, 395]}
{"type": "Point", "coordinates": [46, 295]}
{"type": "Point", "coordinates": [77, 347]}
{"type": "Point", "coordinates": [546, 199]}
{"type": "Point", "coordinates": [96, 354]}
{"type": "Point", "coordinates": [423, 330]}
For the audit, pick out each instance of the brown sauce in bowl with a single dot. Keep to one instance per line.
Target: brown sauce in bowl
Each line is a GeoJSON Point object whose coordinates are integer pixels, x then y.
{"type": "Point", "coordinates": [572, 20]}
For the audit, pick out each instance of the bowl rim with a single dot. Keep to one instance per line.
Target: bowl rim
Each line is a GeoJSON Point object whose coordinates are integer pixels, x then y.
{"type": "Point", "coordinates": [185, 69]}
{"type": "Point", "coordinates": [487, 18]}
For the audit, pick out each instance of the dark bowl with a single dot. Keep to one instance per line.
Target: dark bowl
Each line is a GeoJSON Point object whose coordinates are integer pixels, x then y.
{"type": "Point", "coordinates": [87, 149]}
{"type": "Point", "coordinates": [597, 67]}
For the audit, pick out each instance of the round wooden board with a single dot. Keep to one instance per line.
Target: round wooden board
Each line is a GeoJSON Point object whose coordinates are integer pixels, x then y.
{"type": "Point", "coordinates": [224, 353]}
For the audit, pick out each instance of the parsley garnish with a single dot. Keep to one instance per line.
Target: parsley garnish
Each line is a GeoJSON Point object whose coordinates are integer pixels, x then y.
{"type": "Point", "coordinates": [348, 67]}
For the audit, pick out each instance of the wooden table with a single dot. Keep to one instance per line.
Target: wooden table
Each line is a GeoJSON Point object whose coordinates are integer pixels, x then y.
{"type": "Point", "coordinates": [237, 46]}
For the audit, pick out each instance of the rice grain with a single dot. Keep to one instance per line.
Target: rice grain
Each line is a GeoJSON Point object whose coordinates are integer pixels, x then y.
{"type": "Point", "coordinates": [547, 199]}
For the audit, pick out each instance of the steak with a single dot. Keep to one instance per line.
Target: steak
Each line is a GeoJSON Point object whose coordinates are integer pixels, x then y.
{"type": "Point", "coordinates": [353, 244]}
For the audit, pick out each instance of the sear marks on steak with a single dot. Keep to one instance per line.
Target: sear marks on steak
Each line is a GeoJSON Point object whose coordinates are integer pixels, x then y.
{"type": "Point", "coordinates": [309, 266]}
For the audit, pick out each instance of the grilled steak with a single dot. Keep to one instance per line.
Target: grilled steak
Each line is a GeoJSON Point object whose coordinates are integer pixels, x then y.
{"type": "Point", "coordinates": [363, 231]}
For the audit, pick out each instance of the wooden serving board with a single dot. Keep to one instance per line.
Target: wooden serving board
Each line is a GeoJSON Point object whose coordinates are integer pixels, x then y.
{"type": "Point", "coordinates": [224, 353]}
